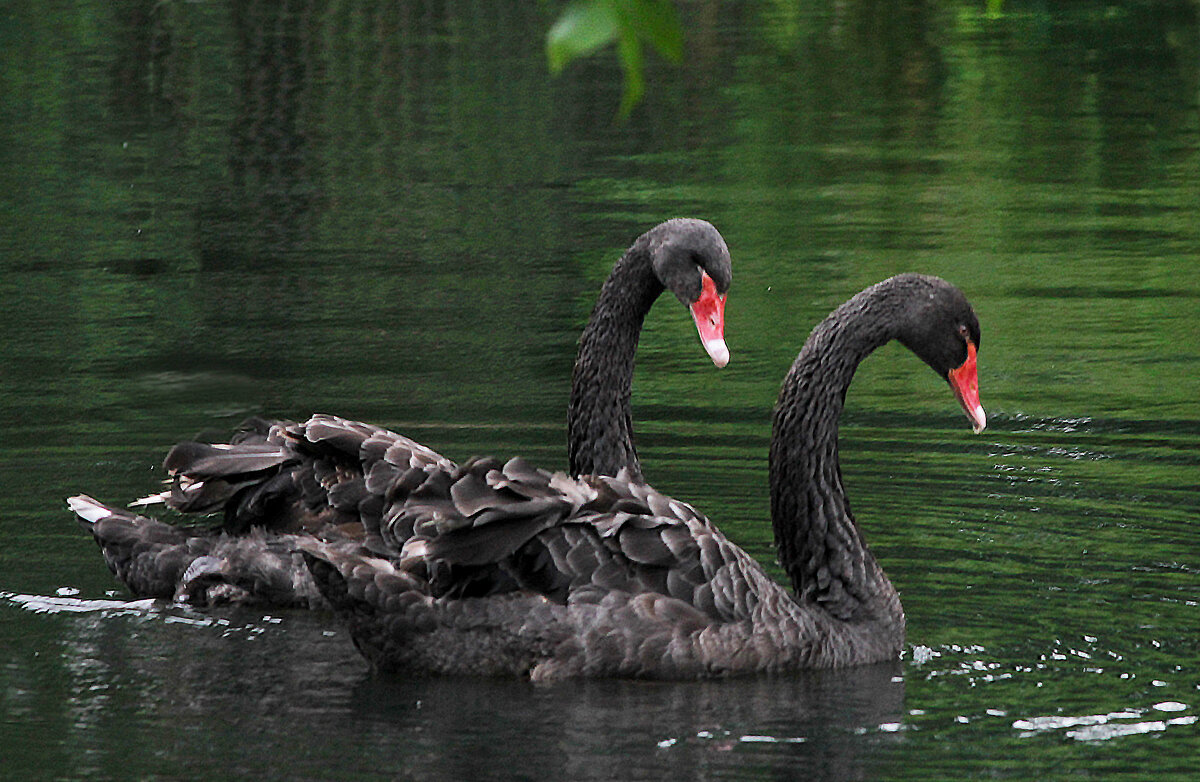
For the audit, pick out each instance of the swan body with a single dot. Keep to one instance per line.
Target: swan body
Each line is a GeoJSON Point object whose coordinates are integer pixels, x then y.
{"type": "Point", "coordinates": [595, 576]}
{"type": "Point", "coordinates": [503, 569]}
{"type": "Point", "coordinates": [280, 483]}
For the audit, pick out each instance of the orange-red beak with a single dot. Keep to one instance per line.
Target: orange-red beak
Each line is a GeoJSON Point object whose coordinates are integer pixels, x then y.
{"type": "Point", "coordinates": [709, 313]}
{"type": "Point", "coordinates": [965, 382]}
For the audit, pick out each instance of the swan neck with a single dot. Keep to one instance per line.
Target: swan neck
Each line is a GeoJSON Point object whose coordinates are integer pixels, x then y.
{"type": "Point", "coordinates": [819, 542]}
{"type": "Point", "coordinates": [599, 417]}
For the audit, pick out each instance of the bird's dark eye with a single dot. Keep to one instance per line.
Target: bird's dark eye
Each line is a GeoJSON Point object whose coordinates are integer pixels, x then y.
{"type": "Point", "coordinates": [963, 331]}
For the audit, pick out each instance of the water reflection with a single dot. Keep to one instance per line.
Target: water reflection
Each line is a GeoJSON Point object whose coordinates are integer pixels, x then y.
{"type": "Point", "coordinates": [302, 691]}
{"type": "Point", "coordinates": [388, 211]}
{"type": "Point", "coordinates": [683, 731]}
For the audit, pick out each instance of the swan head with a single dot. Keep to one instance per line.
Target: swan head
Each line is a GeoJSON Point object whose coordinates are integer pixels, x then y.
{"type": "Point", "coordinates": [690, 258]}
{"type": "Point", "coordinates": [938, 324]}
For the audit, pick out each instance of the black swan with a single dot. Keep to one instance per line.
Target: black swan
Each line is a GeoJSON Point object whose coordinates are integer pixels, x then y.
{"type": "Point", "coordinates": [502, 569]}
{"type": "Point", "coordinates": [278, 483]}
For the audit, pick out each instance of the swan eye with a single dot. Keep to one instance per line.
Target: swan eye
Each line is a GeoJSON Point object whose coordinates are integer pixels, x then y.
{"type": "Point", "coordinates": [964, 332]}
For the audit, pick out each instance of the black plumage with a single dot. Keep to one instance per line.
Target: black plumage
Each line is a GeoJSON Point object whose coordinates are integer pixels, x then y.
{"type": "Point", "coordinates": [535, 574]}
{"type": "Point", "coordinates": [336, 480]}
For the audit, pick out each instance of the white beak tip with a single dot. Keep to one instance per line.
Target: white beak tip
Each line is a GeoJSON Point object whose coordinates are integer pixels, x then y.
{"type": "Point", "coordinates": [717, 351]}
{"type": "Point", "coordinates": [978, 419]}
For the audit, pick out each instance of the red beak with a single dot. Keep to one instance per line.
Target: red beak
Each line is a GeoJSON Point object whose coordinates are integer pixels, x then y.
{"type": "Point", "coordinates": [709, 313]}
{"type": "Point", "coordinates": [965, 382]}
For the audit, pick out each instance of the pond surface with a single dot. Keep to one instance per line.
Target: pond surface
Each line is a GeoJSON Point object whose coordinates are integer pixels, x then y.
{"type": "Point", "coordinates": [391, 212]}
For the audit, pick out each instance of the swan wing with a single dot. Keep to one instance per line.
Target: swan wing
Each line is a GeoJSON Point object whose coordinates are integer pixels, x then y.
{"type": "Point", "coordinates": [490, 528]}
{"type": "Point", "coordinates": [293, 477]}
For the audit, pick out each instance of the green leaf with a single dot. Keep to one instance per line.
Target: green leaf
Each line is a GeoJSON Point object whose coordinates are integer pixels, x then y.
{"type": "Point", "coordinates": [657, 21]}
{"type": "Point", "coordinates": [587, 25]}
{"type": "Point", "coordinates": [629, 49]}
{"type": "Point", "coordinates": [583, 28]}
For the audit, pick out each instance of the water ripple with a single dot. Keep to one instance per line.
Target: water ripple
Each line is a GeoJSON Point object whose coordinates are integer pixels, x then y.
{"type": "Point", "coordinates": [1102, 727]}
{"type": "Point", "coordinates": [45, 604]}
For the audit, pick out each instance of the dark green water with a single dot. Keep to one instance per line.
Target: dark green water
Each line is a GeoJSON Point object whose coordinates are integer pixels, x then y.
{"type": "Point", "coordinates": [391, 212]}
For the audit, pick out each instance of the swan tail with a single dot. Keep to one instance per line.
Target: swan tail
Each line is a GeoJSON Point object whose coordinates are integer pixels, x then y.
{"type": "Point", "coordinates": [146, 555]}
{"type": "Point", "coordinates": [158, 560]}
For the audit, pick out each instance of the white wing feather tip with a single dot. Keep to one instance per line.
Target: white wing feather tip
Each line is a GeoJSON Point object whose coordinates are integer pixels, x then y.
{"type": "Point", "coordinates": [88, 509]}
{"type": "Point", "coordinates": [150, 499]}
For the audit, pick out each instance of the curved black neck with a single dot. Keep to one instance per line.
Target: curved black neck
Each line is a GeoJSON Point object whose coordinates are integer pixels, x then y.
{"type": "Point", "coordinates": [599, 418]}
{"type": "Point", "coordinates": [820, 545]}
